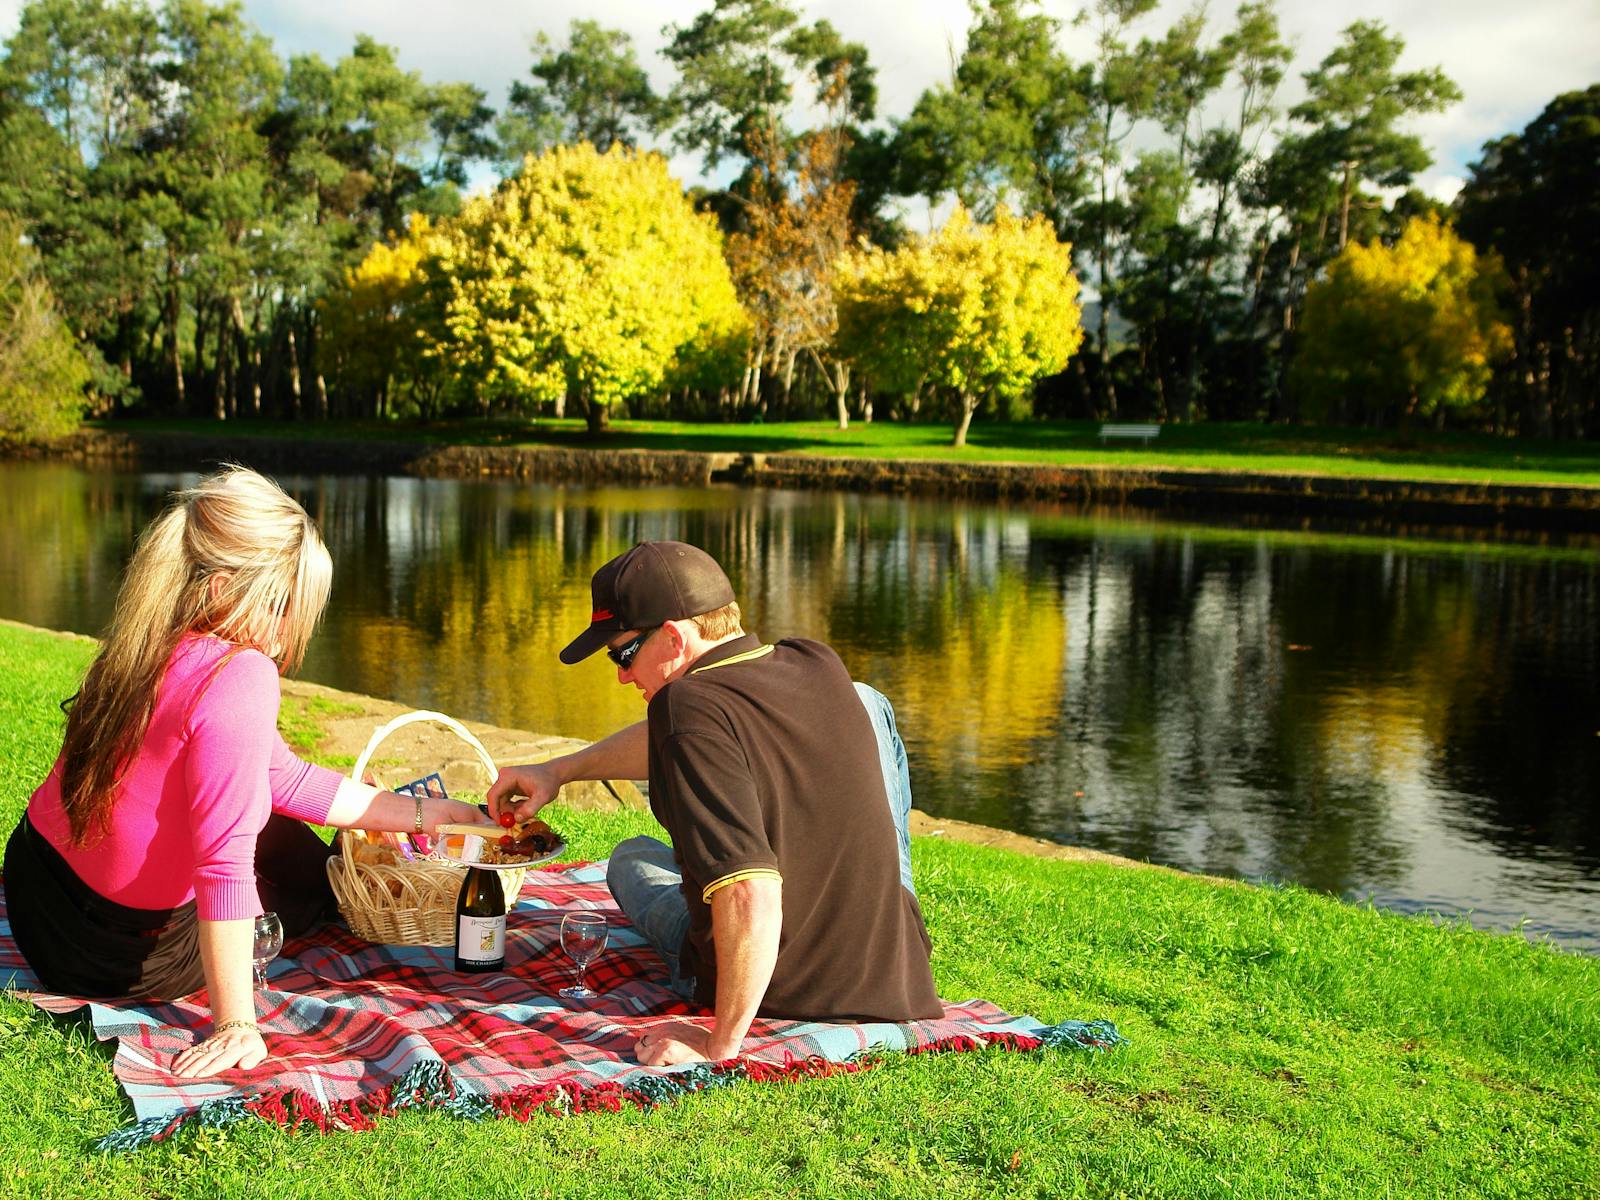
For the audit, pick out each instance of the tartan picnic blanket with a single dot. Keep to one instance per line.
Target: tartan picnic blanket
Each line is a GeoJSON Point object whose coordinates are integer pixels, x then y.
{"type": "Point", "coordinates": [356, 1031]}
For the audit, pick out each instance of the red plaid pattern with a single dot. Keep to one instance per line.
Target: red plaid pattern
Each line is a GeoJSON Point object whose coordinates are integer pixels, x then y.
{"type": "Point", "coordinates": [355, 1029]}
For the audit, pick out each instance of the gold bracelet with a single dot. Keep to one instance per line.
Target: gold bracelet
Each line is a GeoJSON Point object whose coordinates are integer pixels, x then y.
{"type": "Point", "coordinates": [418, 828]}
{"type": "Point", "coordinates": [227, 1025]}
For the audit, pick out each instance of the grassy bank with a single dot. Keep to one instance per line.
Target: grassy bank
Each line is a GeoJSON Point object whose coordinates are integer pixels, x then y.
{"type": "Point", "coordinates": [1281, 1044]}
{"type": "Point", "coordinates": [1207, 446]}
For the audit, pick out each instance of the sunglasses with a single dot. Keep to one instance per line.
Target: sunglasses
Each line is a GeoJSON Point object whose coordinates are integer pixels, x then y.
{"type": "Point", "coordinates": [624, 654]}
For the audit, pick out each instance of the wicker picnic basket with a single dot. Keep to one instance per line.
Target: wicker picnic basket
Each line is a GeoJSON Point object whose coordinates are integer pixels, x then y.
{"type": "Point", "coordinates": [406, 903]}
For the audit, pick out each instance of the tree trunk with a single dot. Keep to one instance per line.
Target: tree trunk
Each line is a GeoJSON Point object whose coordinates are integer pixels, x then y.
{"type": "Point", "coordinates": [222, 400]}
{"type": "Point", "coordinates": [249, 349]}
{"type": "Point", "coordinates": [866, 404]}
{"type": "Point", "coordinates": [174, 312]}
{"type": "Point", "coordinates": [1108, 386]}
{"type": "Point", "coordinates": [599, 415]}
{"type": "Point", "coordinates": [219, 392]}
{"type": "Point", "coordinates": [200, 326]}
{"type": "Point", "coordinates": [968, 405]}
{"type": "Point", "coordinates": [294, 375]}
{"type": "Point", "coordinates": [788, 382]}
{"type": "Point", "coordinates": [1345, 188]}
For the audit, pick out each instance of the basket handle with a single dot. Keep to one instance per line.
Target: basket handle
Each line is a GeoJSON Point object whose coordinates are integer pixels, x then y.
{"type": "Point", "coordinates": [411, 718]}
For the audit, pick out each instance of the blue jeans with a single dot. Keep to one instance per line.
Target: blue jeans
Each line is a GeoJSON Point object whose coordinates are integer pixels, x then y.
{"type": "Point", "coordinates": [645, 881]}
{"type": "Point", "coordinates": [896, 778]}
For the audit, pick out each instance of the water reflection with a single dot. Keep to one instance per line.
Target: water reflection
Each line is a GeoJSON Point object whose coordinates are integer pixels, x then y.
{"type": "Point", "coordinates": [1412, 722]}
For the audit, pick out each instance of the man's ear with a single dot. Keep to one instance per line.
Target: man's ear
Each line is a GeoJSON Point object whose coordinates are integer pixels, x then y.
{"type": "Point", "coordinates": [679, 642]}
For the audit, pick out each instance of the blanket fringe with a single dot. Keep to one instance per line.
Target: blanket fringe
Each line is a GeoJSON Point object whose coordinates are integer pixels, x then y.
{"type": "Point", "coordinates": [430, 1085]}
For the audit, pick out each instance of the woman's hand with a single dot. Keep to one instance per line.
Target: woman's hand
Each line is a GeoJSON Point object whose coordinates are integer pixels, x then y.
{"type": "Point", "coordinates": [457, 812]}
{"type": "Point", "coordinates": [239, 1046]}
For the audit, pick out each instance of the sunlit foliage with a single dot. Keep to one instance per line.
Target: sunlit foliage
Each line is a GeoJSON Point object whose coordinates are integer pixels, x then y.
{"type": "Point", "coordinates": [42, 372]}
{"type": "Point", "coordinates": [386, 321]}
{"type": "Point", "coordinates": [587, 276]}
{"type": "Point", "coordinates": [1403, 331]}
{"type": "Point", "coordinates": [974, 312]}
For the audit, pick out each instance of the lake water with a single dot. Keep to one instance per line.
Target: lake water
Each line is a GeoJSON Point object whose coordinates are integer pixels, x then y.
{"type": "Point", "coordinates": [1413, 723]}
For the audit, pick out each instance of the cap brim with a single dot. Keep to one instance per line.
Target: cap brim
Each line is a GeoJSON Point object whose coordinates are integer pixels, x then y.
{"type": "Point", "coordinates": [585, 644]}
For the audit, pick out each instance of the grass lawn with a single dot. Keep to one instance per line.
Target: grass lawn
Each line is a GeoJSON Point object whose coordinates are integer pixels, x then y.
{"type": "Point", "coordinates": [1421, 454]}
{"type": "Point", "coordinates": [1281, 1044]}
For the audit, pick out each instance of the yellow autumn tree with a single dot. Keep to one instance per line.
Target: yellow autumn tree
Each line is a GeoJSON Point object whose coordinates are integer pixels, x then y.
{"type": "Point", "coordinates": [383, 323]}
{"type": "Point", "coordinates": [1399, 332]}
{"type": "Point", "coordinates": [976, 312]}
{"type": "Point", "coordinates": [587, 276]}
{"type": "Point", "coordinates": [44, 375]}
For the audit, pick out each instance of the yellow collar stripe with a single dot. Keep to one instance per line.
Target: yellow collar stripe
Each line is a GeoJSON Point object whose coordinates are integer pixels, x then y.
{"type": "Point", "coordinates": [747, 656]}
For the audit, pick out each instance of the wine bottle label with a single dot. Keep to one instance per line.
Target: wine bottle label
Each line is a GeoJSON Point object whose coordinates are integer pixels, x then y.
{"type": "Point", "coordinates": [481, 939]}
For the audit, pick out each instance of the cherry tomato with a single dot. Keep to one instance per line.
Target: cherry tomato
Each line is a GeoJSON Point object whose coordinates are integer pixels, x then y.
{"type": "Point", "coordinates": [507, 842]}
{"type": "Point", "coordinates": [507, 820]}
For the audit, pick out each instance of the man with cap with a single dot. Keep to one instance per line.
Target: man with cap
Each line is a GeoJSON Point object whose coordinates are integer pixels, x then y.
{"type": "Point", "coordinates": [783, 893]}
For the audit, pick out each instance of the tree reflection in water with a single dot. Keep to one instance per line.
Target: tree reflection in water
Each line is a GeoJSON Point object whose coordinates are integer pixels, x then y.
{"type": "Point", "coordinates": [1408, 720]}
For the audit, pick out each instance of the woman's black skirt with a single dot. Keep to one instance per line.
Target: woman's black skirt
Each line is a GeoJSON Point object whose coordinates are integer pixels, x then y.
{"type": "Point", "coordinates": [81, 944]}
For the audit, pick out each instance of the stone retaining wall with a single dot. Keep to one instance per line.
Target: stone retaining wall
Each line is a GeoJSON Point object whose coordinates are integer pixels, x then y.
{"type": "Point", "coordinates": [1509, 506]}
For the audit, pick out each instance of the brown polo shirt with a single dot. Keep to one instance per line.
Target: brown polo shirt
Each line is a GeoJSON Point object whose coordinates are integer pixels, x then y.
{"type": "Point", "coordinates": [763, 762]}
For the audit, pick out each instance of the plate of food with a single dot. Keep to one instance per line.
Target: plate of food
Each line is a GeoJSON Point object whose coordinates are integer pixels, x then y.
{"type": "Point", "coordinates": [525, 844]}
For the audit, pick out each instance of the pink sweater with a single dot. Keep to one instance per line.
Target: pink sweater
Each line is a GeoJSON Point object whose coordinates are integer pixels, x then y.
{"type": "Point", "coordinates": [210, 770]}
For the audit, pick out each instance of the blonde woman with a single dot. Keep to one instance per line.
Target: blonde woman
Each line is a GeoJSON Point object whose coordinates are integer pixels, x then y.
{"type": "Point", "coordinates": [175, 811]}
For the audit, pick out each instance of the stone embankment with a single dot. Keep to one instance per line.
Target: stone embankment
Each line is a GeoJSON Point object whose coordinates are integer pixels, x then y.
{"type": "Point", "coordinates": [1279, 495]}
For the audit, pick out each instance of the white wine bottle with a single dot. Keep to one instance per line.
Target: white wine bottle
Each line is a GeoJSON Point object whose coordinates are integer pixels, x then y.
{"type": "Point", "coordinates": [481, 922]}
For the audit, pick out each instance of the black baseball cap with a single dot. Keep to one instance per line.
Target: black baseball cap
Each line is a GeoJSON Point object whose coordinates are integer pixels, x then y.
{"type": "Point", "coordinates": [641, 588]}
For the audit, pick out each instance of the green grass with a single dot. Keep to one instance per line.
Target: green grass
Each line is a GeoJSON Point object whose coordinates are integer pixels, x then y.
{"type": "Point", "coordinates": [300, 721]}
{"type": "Point", "coordinates": [1281, 1044]}
{"type": "Point", "coordinates": [1219, 446]}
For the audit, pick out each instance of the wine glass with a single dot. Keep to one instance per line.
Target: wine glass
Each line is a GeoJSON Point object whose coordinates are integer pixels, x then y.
{"type": "Point", "coordinates": [583, 936]}
{"type": "Point", "coordinates": [268, 941]}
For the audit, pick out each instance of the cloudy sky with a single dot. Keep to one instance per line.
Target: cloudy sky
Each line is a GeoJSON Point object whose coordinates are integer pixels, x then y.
{"type": "Point", "coordinates": [1509, 59]}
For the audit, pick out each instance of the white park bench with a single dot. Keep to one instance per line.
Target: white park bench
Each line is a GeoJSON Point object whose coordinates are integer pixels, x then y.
{"type": "Point", "coordinates": [1143, 432]}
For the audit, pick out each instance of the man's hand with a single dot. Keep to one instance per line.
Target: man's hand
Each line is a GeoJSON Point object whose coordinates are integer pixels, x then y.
{"type": "Point", "coordinates": [674, 1042]}
{"type": "Point", "coordinates": [538, 782]}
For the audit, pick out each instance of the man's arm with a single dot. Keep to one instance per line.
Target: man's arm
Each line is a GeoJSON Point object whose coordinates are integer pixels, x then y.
{"type": "Point", "coordinates": [623, 755]}
{"type": "Point", "coordinates": [746, 918]}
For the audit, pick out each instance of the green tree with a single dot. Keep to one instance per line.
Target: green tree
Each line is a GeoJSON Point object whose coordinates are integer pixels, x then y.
{"type": "Point", "coordinates": [386, 320]}
{"type": "Point", "coordinates": [1532, 197]}
{"type": "Point", "coordinates": [80, 94]}
{"type": "Point", "coordinates": [1354, 105]}
{"type": "Point", "coordinates": [1399, 332]}
{"type": "Point", "coordinates": [359, 144]}
{"type": "Point", "coordinates": [43, 374]}
{"type": "Point", "coordinates": [591, 90]}
{"type": "Point", "coordinates": [739, 64]}
{"type": "Point", "coordinates": [976, 312]}
{"type": "Point", "coordinates": [1165, 240]}
{"type": "Point", "coordinates": [210, 188]}
{"type": "Point", "coordinates": [1225, 158]}
{"type": "Point", "coordinates": [1122, 94]}
{"type": "Point", "coordinates": [1008, 126]}
{"type": "Point", "coordinates": [585, 275]}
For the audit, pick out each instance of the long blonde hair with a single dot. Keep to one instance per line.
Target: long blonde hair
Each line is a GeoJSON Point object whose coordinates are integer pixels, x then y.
{"type": "Point", "coordinates": [233, 556]}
